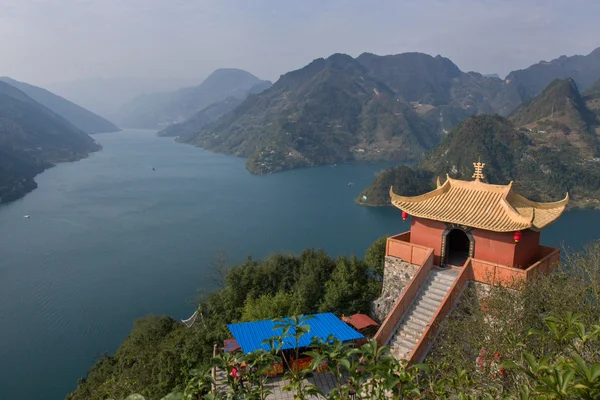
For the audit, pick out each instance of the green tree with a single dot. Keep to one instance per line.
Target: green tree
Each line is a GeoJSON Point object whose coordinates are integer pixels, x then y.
{"type": "Point", "coordinates": [348, 291]}
{"type": "Point", "coordinates": [268, 307]}
{"type": "Point", "coordinates": [375, 257]}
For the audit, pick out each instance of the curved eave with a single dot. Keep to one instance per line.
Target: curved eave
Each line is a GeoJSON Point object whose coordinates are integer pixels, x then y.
{"type": "Point", "coordinates": [396, 198]}
{"type": "Point", "coordinates": [520, 211]}
{"type": "Point", "coordinates": [554, 208]}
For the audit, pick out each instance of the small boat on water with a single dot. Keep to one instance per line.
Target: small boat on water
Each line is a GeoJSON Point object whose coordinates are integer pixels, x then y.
{"type": "Point", "coordinates": [350, 183]}
{"type": "Point", "coordinates": [26, 216]}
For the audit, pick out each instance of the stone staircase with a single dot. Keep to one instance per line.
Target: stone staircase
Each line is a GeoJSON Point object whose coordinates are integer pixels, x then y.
{"type": "Point", "coordinates": [420, 313]}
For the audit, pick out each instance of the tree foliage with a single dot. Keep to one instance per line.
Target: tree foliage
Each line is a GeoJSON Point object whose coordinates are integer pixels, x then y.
{"type": "Point", "coordinates": [158, 354]}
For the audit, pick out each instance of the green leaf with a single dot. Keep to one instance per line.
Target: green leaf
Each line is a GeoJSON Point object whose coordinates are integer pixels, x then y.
{"type": "Point", "coordinates": [173, 396]}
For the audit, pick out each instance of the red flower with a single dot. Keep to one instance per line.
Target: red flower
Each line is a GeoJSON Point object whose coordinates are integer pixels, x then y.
{"type": "Point", "coordinates": [496, 355]}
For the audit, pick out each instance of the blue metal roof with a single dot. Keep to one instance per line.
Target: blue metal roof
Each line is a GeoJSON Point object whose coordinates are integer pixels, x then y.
{"type": "Point", "coordinates": [250, 335]}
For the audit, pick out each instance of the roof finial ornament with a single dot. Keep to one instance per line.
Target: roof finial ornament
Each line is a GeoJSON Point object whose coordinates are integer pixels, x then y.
{"type": "Point", "coordinates": [478, 175]}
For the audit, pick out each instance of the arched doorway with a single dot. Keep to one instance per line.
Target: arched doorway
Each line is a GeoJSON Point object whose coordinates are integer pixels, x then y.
{"type": "Point", "coordinates": [458, 246]}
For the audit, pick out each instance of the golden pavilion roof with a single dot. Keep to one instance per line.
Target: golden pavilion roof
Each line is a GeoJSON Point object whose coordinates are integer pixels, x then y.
{"type": "Point", "coordinates": [481, 205]}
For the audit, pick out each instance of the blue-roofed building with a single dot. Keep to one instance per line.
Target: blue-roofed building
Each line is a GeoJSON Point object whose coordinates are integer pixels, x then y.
{"type": "Point", "coordinates": [251, 335]}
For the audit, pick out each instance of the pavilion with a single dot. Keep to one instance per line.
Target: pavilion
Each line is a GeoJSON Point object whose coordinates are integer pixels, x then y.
{"type": "Point", "coordinates": [460, 233]}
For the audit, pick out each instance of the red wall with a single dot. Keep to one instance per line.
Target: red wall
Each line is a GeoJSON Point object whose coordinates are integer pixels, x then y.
{"type": "Point", "coordinates": [428, 233]}
{"type": "Point", "coordinates": [528, 249]}
{"type": "Point", "coordinates": [494, 247]}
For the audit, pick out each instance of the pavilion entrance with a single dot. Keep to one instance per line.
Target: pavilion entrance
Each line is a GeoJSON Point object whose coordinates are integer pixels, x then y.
{"type": "Point", "coordinates": [458, 245]}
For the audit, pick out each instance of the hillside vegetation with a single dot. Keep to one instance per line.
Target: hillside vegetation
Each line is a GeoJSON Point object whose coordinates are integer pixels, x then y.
{"type": "Point", "coordinates": [492, 349]}
{"type": "Point", "coordinates": [340, 109]}
{"type": "Point", "coordinates": [33, 138]}
{"type": "Point", "coordinates": [548, 147]}
{"type": "Point", "coordinates": [369, 108]}
{"type": "Point", "coordinates": [158, 354]}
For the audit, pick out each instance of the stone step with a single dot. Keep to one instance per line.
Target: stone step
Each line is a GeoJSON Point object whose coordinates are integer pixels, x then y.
{"type": "Point", "coordinates": [425, 312]}
{"type": "Point", "coordinates": [443, 281]}
{"type": "Point", "coordinates": [402, 344]}
{"type": "Point", "coordinates": [436, 290]}
{"type": "Point", "coordinates": [409, 337]}
{"type": "Point", "coordinates": [428, 294]}
{"type": "Point", "coordinates": [447, 271]}
{"type": "Point", "coordinates": [409, 331]}
{"type": "Point", "coordinates": [401, 352]}
{"type": "Point", "coordinates": [451, 275]}
{"type": "Point", "coordinates": [428, 304]}
{"type": "Point", "coordinates": [440, 285]}
{"type": "Point", "coordinates": [416, 326]}
{"type": "Point", "coordinates": [416, 315]}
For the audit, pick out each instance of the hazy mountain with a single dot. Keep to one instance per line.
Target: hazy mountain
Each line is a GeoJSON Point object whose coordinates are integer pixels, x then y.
{"type": "Point", "coordinates": [76, 115]}
{"type": "Point", "coordinates": [161, 109]}
{"type": "Point", "coordinates": [203, 117]}
{"type": "Point", "coordinates": [33, 138]}
{"type": "Point", "coordinates": [529, 82]}
{"type": "Point", "coordinates": [330, 111]}
{"type": "Point", "coordinates": [492, 76]}
{"type": "Point", "coordinates": [105, 96]}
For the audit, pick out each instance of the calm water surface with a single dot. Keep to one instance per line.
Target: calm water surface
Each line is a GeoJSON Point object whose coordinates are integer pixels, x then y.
{"type": "Point", "coordinates": [110, 240]}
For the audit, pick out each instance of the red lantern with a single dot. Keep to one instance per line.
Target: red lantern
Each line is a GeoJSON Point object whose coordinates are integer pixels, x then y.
{"type": "Point", "coordinates": [517, 236]}
{"type": "Point", "coordinates": [404, 215]}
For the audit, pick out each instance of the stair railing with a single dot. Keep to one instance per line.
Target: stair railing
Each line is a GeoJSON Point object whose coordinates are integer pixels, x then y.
{"type": "Point", "coordinates": [429, 334]}
{"type": "Point", "coordinates": [408, 295]}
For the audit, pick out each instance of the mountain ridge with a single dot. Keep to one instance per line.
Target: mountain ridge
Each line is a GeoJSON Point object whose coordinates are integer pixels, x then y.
{"type": "Point", "coordinates": [78, 116]}
{"type": "Point", "coordinates": [32, 139]}
{"type": "Point", "coordinates": [396, 107]}
{"type": "Point", "coordinates": [531, 81]}
{"type": "Point", "coordinates": [326, 112]}
{"type": "Point", "coordinates": [157, 110]}
{"type": "Point", "coordinates": [540, 171]}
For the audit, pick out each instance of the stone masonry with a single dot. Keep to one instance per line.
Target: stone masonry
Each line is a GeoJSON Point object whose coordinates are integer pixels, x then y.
{"type": "Point", "coordinates": [396, 275]}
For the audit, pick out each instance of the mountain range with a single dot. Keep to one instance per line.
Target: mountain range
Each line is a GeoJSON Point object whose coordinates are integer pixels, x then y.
{"type": "Point", "coordinates": [548, 146]}
{"type": "Point", "coordinates": [76, 115]}
{"type": "Point", "coordinates": [158, 110]}
{"type": "Point", "coordinates": [369, 108]}
{"type": "Point", "coordinates": [402, 108]}
{"type": "Point", "coordinates": [106, 95]}
{"type": "Point", "coordinates": [530, 82]}
{"type": "Point", "coordinates": [33, 138]}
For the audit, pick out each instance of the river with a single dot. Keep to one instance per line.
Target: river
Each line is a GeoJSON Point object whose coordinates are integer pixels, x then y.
{"type": "Point", "coordinates": [131, 230]}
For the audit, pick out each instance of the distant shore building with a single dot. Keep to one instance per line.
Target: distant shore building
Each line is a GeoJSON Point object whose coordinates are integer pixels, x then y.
{"type": "Point", "coordinates": [462, 232]}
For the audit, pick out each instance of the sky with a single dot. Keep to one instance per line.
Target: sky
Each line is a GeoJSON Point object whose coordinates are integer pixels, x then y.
{"type": "Point", "coordinates": [49, 41]}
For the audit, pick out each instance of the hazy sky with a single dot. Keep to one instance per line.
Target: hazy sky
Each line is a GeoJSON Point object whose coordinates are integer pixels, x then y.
{"type": "Point", "coordinates": [45, 41]}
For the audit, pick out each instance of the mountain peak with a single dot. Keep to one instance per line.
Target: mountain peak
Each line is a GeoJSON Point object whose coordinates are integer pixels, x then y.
{"type": "Point", "coordinates": [163, 109]}
{"type": "Point", "coordinates": [560, 114]}
{"type": "Point", "coordinates": [224, 73]}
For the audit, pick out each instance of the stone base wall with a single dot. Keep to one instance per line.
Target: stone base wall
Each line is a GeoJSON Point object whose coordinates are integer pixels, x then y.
{"type": "Point", "coordinates": [396, 275]}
